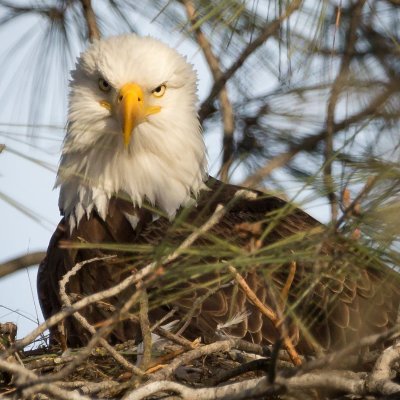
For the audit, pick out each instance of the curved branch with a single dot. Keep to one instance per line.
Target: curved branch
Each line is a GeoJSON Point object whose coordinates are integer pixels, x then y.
{"type": "Point", "coordinates": [15, 264]}
{"type": "Point", "coordinates": [270, 29]}
{"type": "Point", "coordinates": [90, 17]}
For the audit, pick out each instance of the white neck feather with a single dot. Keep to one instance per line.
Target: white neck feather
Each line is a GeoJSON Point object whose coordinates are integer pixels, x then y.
{"type": "Point", "coordinates": [166, 169]}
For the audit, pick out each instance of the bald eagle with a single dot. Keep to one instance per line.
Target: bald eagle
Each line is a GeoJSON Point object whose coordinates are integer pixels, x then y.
{"type": "Point", "coordinates": [133, 171]}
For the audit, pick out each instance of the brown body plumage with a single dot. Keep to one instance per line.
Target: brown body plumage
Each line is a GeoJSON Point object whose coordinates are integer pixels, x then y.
{"type": "Point", "coordinates": [337, 295]}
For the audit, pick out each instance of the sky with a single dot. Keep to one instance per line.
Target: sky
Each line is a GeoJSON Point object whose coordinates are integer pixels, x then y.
{"type": "Point", "coordinates": [28, 165]}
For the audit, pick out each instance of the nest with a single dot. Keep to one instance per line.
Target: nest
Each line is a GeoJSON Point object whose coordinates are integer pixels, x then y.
{"type": "Point", "coordinates": [177, 368]}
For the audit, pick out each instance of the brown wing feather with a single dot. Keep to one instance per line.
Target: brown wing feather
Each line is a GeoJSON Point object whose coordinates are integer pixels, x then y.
{"type": "Point", "coordinates": [336, 299]}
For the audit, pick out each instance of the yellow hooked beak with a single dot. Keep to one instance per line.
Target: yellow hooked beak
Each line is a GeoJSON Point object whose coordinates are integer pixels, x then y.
{"type": "Point", "coordinates": [132, 109]}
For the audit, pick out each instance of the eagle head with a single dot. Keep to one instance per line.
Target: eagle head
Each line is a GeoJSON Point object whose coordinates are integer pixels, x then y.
{"type": "Point", "coordinates": [132, 130]}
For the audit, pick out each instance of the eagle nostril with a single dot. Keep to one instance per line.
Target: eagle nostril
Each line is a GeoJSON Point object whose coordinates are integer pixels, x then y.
{"type": "Point", "coordinates": [120, 97]}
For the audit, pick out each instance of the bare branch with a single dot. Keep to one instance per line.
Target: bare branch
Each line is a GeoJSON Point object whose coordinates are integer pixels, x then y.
{"type": "Point", "coordinates": [269, 30]}
{"type": "Point", "coordinates": [85, 323]}
{"type": "Point", "coordinates": [20, 262]}
{"type": "Point", "coordinates": [23, 377]}
{"type": "Point", "coordinates": [220, 346]}
{"type": "Point", "coordinates": [144, 326]}
{"type": "Point", "coordinates": [228, 117]}
{"type": "Point", "coordinates": [269, 313]}
{"type": "Point", "coordinates": [348, 382]}
{"type": "Point", "coordinates": [90, 17]}
{"type": "Point", "coordinates": [310, 142]}
{"type": "Point", "coordinates": [337, 87]}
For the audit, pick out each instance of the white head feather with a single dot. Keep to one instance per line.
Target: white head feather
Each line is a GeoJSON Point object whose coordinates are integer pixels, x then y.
{"type": "Point", "coordinates": [165, 162]}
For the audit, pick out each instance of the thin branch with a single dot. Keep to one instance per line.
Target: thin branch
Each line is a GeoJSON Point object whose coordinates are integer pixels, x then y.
{"type": "Point", "coordinates": [310, 142]}
{"type": "Point", "coordinates": [23, 378]}
{"type": "Point", "coordinates": [20, 262]}
{"type": "Point", "coordinates": [90, 17]}
{"type": "Point", "coordinates": [288, 284]}
{"type": "Point", "coordinates": [337, 88]}
{"type": "Point", "coordinates": [269, 313]}
{"type": "Point", "coordinates": [144, 326]}
{"type": "Point", "coordinates": [337, 357]}
{"type": "Point", "coordinates": [228, 117]}
{"type": "Point", "coordinates": [187, 344]}
{"type": "Point", "coordinates": [85, 323]}
{"type": "Point", "coordinates": [220, 346]}
{"type": "Point", "coordinates": [354, 204]}
{"type": "Point", "coordinates": [269, 30]}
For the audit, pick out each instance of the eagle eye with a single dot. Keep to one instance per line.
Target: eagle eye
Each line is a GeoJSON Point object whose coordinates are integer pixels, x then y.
{"type": "Point", "coordinates": [104, 85]}
{"type": "Point", "coordinates": [159, 90]}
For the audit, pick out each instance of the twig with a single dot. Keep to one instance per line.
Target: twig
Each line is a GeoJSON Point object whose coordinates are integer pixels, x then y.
{"type": "Point", "coordinates": [286, 288]}
{"type": "Point", "coordinates": [165, 318]}
{"type": "Point", "coordinates": [23, 378]}
{"type": "Point", "coordinates": [228, 118]}
{"type": "Point", "coordinates": [85, 323]}
{"type": "Point", "coordinates": [20, 262]}
{"type": "Point", "coordinates": [90, 17]}
{"type": "Point", "coordinates": [365, 190]}
{"type": "Point", "coordinates": [254, 365]}
{"type": "Point", "coordinates": [336, 358]}
{"type": "Point", "coordinates": [144, 326]}
{"type": "Point", "coordinates": [269, 30]}
{"type": "Point", "coordinates": [187, 344]}
{"type": "Point", "coordinates": [87, 387]}
{"type": "Point", "coordinates": [327, 380]}
{"type": "Point", "coordinates": [220, 346]}
{"type": "Point", "coordinates": [309, 143]}
{"type": "Point", "coordinates": [336, 90]}
{"type": "Point", "coordinates": [268, 312]}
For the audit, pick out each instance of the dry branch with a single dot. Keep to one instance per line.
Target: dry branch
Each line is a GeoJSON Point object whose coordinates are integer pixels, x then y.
{"type": "Point", "coordinates": [269, 30]}
{"type": "Point", "coordinates": [20, 262]}
{"type": "Point", "coordinates": [90, 18]}
{"type": "Point", "coordinates": [310, 142]}
{"type": "Point", "coordinates": [85, 323]}
{"type": "Point", "coordinates": [228, 117]}
{"type": "Point", "coordinates": [269, 313]}
{"type": "Point", "coordinates": [27, 382]}
{"type": "Point", "coordinates": [337, 87]}
{"type": "Point", "coordinates": [144, 326]}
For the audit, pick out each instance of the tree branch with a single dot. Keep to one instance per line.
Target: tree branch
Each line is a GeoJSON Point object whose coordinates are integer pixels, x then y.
{"type": "Point", "coordinates": [309, 143]}
{"type": "Point", "coordinates": [269, 30]}
{"type": "Point", "coordinates": [337, 88]}
{"type": "Point", "coordinates": [228, 118]}
{"type": "Point", "coordinates": [90, 17]}
{"type": "Point", "coordinates": [20, 262]}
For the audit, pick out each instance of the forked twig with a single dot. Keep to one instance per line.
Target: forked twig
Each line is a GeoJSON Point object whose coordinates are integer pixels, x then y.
{"type": "Point", "coordinates": [268, 312]}
{"type": "Point", "coordinates": [288, 284]}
